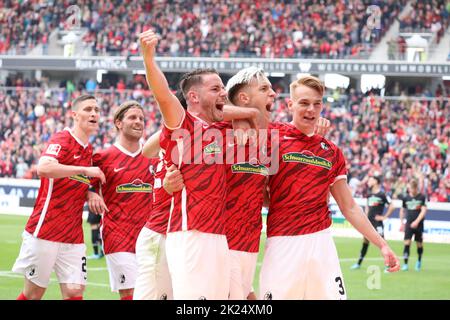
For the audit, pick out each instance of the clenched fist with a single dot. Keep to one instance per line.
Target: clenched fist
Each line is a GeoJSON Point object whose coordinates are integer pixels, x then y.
{"type": "Point", "coordinates": [148, 41]}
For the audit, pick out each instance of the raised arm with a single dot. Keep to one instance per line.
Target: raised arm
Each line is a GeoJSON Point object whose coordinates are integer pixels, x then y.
{"type": "Point", "coordinates": [232, 112]}
{"type": "Point", "coordinates": [169, 105]}
{"type": "Point", "coordinates": [354, 214]}
{"type": "Point", "coordinates": [151, 147]}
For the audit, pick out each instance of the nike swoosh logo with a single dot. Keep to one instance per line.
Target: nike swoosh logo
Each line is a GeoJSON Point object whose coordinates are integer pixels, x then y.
{"type": "Point", "coordinates": [289, 138]}
{"type": "Point", "coordinates": [118, 169]}
{"type": "Point", "coordinates": [76, 157]}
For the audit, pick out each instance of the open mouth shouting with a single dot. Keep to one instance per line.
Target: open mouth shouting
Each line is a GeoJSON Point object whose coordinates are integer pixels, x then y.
{"type": "Point", "coordinates": [219, 106]}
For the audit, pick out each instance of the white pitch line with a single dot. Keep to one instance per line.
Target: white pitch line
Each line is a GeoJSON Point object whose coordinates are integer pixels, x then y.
{"type": "Point", "coordinates": [10, 274]}
{"type": "Point", "coordinates": [381, 259]}
{"type": "Point", "coordinates": [96, 269]}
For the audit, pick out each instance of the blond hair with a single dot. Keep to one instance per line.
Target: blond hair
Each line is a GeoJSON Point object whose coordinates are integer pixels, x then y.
{"type": "Point", "coordinates": [242, 79]}
{"type": "Point", "coordinates": [307, 81]}
{"type": "Point", "coordinates": [123, 108]}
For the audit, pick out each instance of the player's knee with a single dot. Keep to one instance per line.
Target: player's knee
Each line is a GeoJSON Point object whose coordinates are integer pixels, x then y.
{"type": "Point", "coordinates": [33, 294]}
{"type": "Point", "coordinates": [72, 291]}
{"type": "Point", "coordinates": [32, 291]}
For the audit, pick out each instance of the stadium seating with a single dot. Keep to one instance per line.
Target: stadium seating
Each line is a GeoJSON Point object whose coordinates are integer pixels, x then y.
{"type": "Point", "coordinates": [297, 28]}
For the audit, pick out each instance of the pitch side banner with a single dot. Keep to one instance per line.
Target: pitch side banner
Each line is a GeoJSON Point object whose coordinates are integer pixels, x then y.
{"type": "Point", "coordinates": [18, 196]}
{"type": "Point", "coordinates": [436, 225]}
{"type": "Point", "coordinates": [227, 65]}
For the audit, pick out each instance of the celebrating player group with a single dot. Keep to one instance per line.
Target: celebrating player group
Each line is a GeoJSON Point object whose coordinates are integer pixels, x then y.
{"type": "Point", "coordinates": [181, 214]}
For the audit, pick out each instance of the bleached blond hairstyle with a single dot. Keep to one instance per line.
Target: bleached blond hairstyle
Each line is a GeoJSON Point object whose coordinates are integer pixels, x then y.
{"type": "Point", "coordinates": [241, 79]}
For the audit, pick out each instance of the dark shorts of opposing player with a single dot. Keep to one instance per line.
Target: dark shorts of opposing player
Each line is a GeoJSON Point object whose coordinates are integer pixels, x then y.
{"type": "Point", "coordinates": [379, 226]}
{"type": "Point", "coordinates": [417, 233]}
{"type": "Point", "coordinates": [94, 218]}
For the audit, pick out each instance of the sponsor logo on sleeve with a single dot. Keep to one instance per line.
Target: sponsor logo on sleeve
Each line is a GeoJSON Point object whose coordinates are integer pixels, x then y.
{"type": "Point", "coordinates": [81, 178]}
{"type": "Point", "coordinates": [213, 148]}
{"type": "Point", "coordinates": [53, 149]}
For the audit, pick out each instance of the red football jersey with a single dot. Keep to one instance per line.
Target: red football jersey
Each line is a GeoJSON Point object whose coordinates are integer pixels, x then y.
{"type": "Point", "coordinates": [246, 178]}
{"type": "Point", "coordinates": [159, 217]}
{"type": "Point", "coordinates": [127, 194]}
{"type": "Point", "coordinates": [299, 191]}
{"type": "Point", "coordinates": [57, 214]}
{"type": "Point", "coordinates": [195, 147]}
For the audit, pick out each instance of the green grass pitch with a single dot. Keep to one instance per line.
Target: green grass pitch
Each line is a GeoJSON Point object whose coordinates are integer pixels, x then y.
{"type": "Point", "coordinates": [369, 282]}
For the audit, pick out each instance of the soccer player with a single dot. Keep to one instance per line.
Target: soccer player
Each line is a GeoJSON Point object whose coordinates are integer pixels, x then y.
{"type": "Point", "coordinates": [53, 237]}
{"type": "Point", "coordinates": [246, 182]}
{"type": "Point", "coordinates": [153, 281]}
{"type": "Point", "coordinates": [376, 202]}
{"type": "Point", "coordinates": [196, 246]}
{"type": "Point", "coordinates": [126, 200]}
{"type": "Point", "coordinates": [415, 205]}
{"type": "Point", "coordinates": [300, 260]}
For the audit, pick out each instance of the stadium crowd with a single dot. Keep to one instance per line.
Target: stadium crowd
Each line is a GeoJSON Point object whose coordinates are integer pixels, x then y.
{"type": "Point", "coordinates": [427, 16]}
{"type": "Point", "coordinates": [296, 28]}
{"type": "Point", "coordinates": [395, 138]}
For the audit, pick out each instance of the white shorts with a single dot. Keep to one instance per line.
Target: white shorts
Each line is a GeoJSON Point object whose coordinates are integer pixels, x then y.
{"type": "Point", "coordinates": [153, 280]}
{"type": "Point", "coordinates": [122, 268]}
{"type": "Point", "coordinates": [199, 265]}
{"type": "Point", "coordinates": [38, 258]}
{"type": "Point", "coordinates": [243, 265]}
{"type": "Point", "coordinates": [302, 267]}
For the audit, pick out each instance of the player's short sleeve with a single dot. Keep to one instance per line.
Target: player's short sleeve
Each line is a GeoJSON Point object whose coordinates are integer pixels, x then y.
{"type": "Point", "coordinates": [96, 159]}
{"type": "Point", "coordinates": [96, 162]}
{"type": "Point", "coordinates": [339, 169]}
{"type": "Point", "coordinates": [424, 201]}
{"type": "Point", "coordinates": [387, 199]}
{"type": "Point", "coordinates": [57, 148]}
{"type": "Point", "coordinates": [404, 202]}
{"type": "Point", "coordinates": [185, 114]}
{"type": "Point", "coordinates": [185, 126]}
